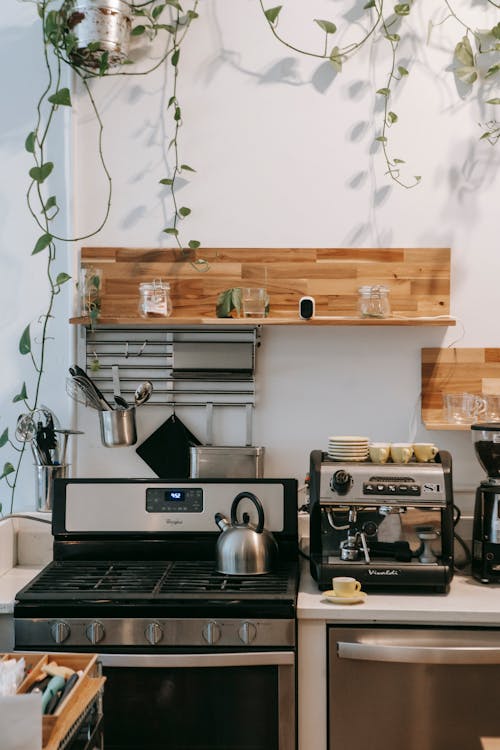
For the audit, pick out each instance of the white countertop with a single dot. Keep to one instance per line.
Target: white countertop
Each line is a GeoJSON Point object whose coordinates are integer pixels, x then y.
{"type": "Point", "coordinates": [12, 582]}
{"type": "Point", "coordinates": [467, 603]}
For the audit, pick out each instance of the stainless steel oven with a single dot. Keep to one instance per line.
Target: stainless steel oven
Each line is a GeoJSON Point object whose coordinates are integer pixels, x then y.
{"type": "Point", "coordinates": [414, 688]}
{"type": "Point", "coordinates": [193, 659]}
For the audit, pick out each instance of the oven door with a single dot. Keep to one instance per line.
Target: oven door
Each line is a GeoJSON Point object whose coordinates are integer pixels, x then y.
{"type": "Point", "coordinates": [203, 701]}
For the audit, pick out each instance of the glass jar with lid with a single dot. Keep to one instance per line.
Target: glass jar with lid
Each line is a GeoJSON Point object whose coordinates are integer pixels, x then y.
{"type": "Point", "coordinates": [154, 299]}
{"type": "Point", "coordinates": [373, 301]}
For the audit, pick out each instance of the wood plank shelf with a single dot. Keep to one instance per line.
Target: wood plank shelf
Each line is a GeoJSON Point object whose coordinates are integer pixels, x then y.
{"type": "Point", "coordinates": [174, 321]}
{"type": "Point", "coordinates": [452, 370]}
{"type": "Point", "coordinates": [418, 280]}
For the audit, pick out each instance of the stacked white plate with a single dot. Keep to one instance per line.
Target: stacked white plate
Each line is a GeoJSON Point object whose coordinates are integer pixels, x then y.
{"type": "Point", "coordinates": [348, 448]}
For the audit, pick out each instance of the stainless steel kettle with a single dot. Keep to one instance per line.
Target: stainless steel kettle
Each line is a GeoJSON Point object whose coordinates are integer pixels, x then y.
{"type": "Point", "coordinates": [242, 547]}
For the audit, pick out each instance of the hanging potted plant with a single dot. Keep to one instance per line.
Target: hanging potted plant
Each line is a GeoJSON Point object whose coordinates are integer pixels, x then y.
{"type": "Point", "coordinates": [97, 28]}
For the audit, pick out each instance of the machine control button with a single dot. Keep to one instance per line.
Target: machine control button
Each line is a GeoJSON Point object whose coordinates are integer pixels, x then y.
{"type": "Point", "coordinates": [341, 481]}
{"type": "Point", "coordinates": [95, 632]}
{"type": "Point", "coordinates": [380, 489]}
{"type": "Point", "coordinates": [369, 488]}
{"type": "Point", "coordinates": [154, 633]}
{"type": "Point", "coordinates": [211, 633]}
{"type": "Point", "coordinates": [60, 631]}
{"type": "Point", "coordinates": [247, 632]}
{"type": "Point", "coordinates": [414, 489]}
{"type": "Point", "coordinates": [392, 489]}
{"type": "Point", "coordinates": [403, 489]}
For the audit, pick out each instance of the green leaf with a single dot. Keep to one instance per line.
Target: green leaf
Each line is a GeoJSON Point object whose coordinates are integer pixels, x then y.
{"type": "Point", "coordinates": [22, 396]}
{"type": "Point", "coordinates": [402, 9]}
{"type": "Point", "coordinates": [175, 56]}
{"type": "Point", "coordinates": [138, 30]}
{"type": "Point", "coordinates": [174, 4]}
{"type": "Point", "coordinates": [399, 161]}
{"type": "Point", "coordinates": [62, 97]}
{"type": "Point", "coordinates": [193, 244]}
{"type": "Point", "coordinates": [7, 469]}
{"type": "Point", "coordinates": [488, 134]}
{"type": "Point", "coordinates": [29, 143]}
{"type": "Point", "coordinates": [384, 91]}
{"type": "Point", "coordinates": [496, 31]}
{"type": "Point", "coordinates": [336, 59]}
{"type": "Point", "coordinates": [157, 11]}
{"type": "Point", "coordinates": [418, 177]}
{"type": "Point", "coordinates": [327, 26]}
{"type": "Point", "coordinates": [369, 4]}
{"type": "Point", "coordinates": [402, 71]}
{"type": "Point", "coordinates": [25, 341]}
{"type": "Point", "coordinates": [392, 117]}
{"type": "Point", "coordinates": [39, 174]}
{"type": "Point", "coordinates": [42, 242]}
{"type": "Point", "coordinates": [187, 168]}
{"type": "Point", "coordinates": [463, 53]}
{"type": "Point", "coordinates": [171, 101]}
{"type": "Point", "coordinates": [50, 203]}
{"type": "Point", "coordinates": [272, 13]}
{"type": "Point", "coordinates": [104, 63]}
{"type": "Point", "coordinates": [177, 114]}
{"type": "Point", "coordinates": [492, 70]}
{"type": "Point", "coordinates": [184, 211]}
{"type": "Point", "coordinates": [392, 37]}
{"type": "Point", "coordinates": [192, 15]}
{"type": "Point", "coordinates": [467, 74]}
{"type": "Point", "coordinates": [62, 278]}
{"type": "Point", "coordinates": [4, 437]}
{"type": "Point", "coordinates": [493, 101]}
{"type": "Point", "coordinates": [166, 181]}
{"type": "Point", "coordinates": [381, 139]}
{"type": "Point", "coordinates": [171, 230]}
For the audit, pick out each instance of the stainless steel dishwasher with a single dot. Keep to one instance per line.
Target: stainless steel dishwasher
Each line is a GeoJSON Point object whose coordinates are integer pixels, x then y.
{"type": "Point", "coordinates": [414, 688]}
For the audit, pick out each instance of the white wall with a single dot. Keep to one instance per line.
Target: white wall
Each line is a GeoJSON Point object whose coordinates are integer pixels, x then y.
{"type": "Point", "coordinates": [284, 156]}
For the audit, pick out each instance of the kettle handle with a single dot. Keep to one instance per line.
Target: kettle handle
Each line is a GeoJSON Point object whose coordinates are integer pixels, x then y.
{"type": "Point", "coordinates": [260, 510]}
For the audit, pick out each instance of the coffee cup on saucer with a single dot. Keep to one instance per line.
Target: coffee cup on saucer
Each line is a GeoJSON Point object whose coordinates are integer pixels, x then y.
{"type": "Point", "coordinates": [424, 452]}
{"type": "Point", "coordinates": [401, 452]}
{"type": "Point", "coordinates": [379, 452]}
{"type": "Point", "coordinates": [345, 586]}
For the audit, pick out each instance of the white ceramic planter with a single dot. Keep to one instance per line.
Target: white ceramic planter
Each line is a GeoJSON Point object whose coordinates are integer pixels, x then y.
{"type": "Point", "coordinates": [106, 22]}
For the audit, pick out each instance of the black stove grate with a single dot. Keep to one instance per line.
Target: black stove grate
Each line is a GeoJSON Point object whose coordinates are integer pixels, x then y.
{"type": "Point", "coordinates": [153, 580]}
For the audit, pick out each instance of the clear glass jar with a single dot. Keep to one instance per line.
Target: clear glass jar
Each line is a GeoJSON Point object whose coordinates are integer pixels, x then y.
{"type": "Point", "coordinates": [373, 301]}
{"type": "Point", "coordinates": [154, 299]}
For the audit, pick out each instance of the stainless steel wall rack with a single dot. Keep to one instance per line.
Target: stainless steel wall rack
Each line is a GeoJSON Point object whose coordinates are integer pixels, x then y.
{"type": "Point", "coordinates": [217, 365]}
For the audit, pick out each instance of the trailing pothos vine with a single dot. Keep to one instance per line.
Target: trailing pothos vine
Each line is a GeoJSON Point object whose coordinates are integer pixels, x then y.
{"type": "Point", "coordinates": [468, 63]}
{"type": "Point", "coordinates": [60, 45]}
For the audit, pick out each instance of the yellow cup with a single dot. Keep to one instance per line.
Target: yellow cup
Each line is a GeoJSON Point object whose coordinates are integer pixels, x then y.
{"type": "Point", "coordinates": [424, 451]}
{"type": "Point", "coordinates": [401, 452]}
{"type": "Point", "coordinates": [379, 452]}
{"type": "Point", "coordinates": [344, 586]}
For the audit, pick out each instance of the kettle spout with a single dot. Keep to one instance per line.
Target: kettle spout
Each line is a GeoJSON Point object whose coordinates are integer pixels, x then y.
{"type": "Point", "coordinates": [221, 521]}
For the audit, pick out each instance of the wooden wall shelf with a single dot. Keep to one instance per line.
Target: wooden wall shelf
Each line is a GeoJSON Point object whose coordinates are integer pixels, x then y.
{"type": "Point", "coordinates": [455, 371]}
{"type": "Point", "coordinates": [418, 279]}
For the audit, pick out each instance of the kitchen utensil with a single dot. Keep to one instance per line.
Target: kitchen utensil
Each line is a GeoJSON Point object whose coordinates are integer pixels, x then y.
{"type": "Point", "coordinates": [79, 392]}
{"type": "Point", "coordinates": [119, 400]}
{"type": "Point", "coordinates": [143, 392]}
{"type": "Point", "coordinates": [76, 370]}
{"type": "Point", "coordinates": [118, 427]}
{"type": "Point", "coordinates": [166, 450]}
{"type": "Point", "coordinates": [226, 461]}
{"type": "Point", "coordinates": [66, 434]}
{"type": "Point", "coordinates": [242, 548]}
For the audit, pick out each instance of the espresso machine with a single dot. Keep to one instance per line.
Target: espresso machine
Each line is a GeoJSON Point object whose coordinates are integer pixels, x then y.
{"type": "Point", "coordinates": [486, 527]}
{"type": "Point", "coordinates": [390, 525]}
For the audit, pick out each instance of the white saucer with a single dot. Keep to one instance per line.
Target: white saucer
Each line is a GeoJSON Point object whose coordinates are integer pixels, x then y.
{"type": "Point", "coordinates": [359, 596]}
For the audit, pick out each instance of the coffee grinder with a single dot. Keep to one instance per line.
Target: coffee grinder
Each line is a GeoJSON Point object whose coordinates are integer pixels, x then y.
{"type": "Point", "coordinates": [486, 528]}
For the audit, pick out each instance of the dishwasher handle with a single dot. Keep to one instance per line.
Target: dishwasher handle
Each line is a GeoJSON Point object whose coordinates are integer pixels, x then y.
{"type": "Point", "coordinates": [419, 654]}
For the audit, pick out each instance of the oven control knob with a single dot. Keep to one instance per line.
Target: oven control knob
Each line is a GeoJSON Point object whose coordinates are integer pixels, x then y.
{"type": "Point", "coordinates": [247, 633]}
{"type": "Point", "coordinates": [154, 633]}
{"type": "Point", "coordinates": [95, 632]}
{"type": "Point", "coordinates": [340, 482]}
{"type": "Point", "coordinates": [211, 633]}
{"type": "Point", "coordinates": [60, 631]}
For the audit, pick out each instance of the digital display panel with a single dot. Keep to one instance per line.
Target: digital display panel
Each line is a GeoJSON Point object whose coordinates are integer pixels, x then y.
{"type": "Point", "coordinates": [175, 495]}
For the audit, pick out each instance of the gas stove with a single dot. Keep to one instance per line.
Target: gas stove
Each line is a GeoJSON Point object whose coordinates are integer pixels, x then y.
{"type": "Point", "coordinates": [134, 567]}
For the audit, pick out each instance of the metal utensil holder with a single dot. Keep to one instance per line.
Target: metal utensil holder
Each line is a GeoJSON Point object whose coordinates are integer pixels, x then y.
{"type": "Point", "coordinates": [118, 427]}
{"type": "Point", "coordinates": [44, 484]}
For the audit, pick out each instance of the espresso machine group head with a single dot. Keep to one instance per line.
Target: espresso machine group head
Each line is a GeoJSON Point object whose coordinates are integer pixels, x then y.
{"type": "Point", "coordinates": [390, 526]}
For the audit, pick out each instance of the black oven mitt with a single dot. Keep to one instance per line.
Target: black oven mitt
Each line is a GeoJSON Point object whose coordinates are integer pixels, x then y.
{"type": "Point", "coordinates": [166, 450]}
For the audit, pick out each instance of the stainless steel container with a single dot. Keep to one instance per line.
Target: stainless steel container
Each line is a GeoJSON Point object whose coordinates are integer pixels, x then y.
{"type": "Point", "coordinates": [226, 461]}
{"type": "Point", "coordinates": [118, 427]}
{"type": "Point", "coordinates": [106, 22]}
{"type": "Point", "coordinates": [44, 484]}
